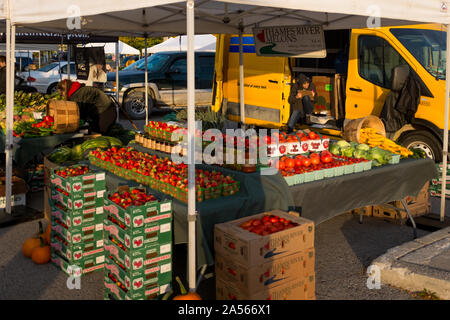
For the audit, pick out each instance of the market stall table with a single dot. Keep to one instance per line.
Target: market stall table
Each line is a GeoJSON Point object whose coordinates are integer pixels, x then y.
{"type": "Point", "coordinates": [324, 199]}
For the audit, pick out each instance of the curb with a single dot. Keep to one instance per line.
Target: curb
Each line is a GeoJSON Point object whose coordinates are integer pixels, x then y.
{"type": "Point", "coordinates": [397, 273]}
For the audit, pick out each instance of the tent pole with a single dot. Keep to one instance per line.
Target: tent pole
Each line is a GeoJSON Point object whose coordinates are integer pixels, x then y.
{"type": "Point", "coordinates": [68, 61]}
{"type": "Point", "coordinates": [146, 82]}
{"type": "Point", "coordinates": [191, 143]}
{"type": "Point", "coordinates": [59, 59]}
{"type": "Point", "coordinates": [241, 76]}
{"type": "Point", "coordinates": [117, 78]}
{"type": "Point", "coordinates": [9, 143]}
{"type": "Point", "coordinates": [445, 148]}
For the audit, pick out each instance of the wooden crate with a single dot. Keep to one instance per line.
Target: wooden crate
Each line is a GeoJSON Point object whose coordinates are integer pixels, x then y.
{"type": "Point", "coordinates": [421, 198]}
{"type": "Point", "coordinates": [400, 216]}
{"type": "Point", "coordinates": [366, 211]}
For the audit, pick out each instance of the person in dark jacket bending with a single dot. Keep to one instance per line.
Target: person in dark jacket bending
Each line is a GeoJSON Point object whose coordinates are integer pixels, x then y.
{"type": "Point", "coordinates": [95, 106]}
{"type": "Point", "coordinates": [301, 97]}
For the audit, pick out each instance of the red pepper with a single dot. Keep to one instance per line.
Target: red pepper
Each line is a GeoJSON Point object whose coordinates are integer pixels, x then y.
{"type": "Point", "coordinates": [49, 119]}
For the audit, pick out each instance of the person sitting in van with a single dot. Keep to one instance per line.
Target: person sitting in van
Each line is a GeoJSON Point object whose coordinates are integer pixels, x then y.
{"type": "Point", "coordinates": [301, 100]}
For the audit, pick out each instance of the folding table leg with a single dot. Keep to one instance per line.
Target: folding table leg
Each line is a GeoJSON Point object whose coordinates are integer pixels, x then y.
{"type": "Point", "coordinates": [410, 218]}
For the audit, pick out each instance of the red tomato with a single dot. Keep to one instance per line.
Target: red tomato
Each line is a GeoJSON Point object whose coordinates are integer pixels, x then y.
{"type": "Point", "coordinates": [306, 162]}
{"type": "Point", "coordinates": [315, 160]}
{"type": "Point", "coordinates": [281, 165]}
{"type": "Point", "coordinates": [289, 163]}
{"type": "Point", "coordinates": [327, 159]}
{"type": "Point", "coordinates": [312, 135]}
{"type": "Point", "coordinates": [298, 162]}
{"type": "Point", "coordinates": [314, 155]}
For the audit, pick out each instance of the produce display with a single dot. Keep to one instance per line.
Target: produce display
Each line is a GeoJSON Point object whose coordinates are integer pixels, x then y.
{"type": "Point", "coordinates": [80, 151]}
{"type": "Point", "coordinates": [378, 156]}
{"type": "Point", "coordinates": [374, 139]}
{"type": "Point", "coordinates": [29, 120]}
{"type": "Point", "coordinates": [77, 214]}
{"type": "Point", "coordinates": [268, 224]}
{"type": "Point", "coordinates": [162, 174]}
{"type": "Point", "coordinates": [297, 143]}
{"type": "Point", "coordinates": [136, 198]}
{"type": "Point", "coordinates": [317, 166]}
{"type": "Point", "coordinates": [161, 130]}
{"type": "Point", "coordinates": [138, 245]}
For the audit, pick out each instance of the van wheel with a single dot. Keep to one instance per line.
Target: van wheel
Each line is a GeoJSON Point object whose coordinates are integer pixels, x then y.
{"type": "Point", "coordinates": [425, 141]}
{"type": "Point", "coordinates": [134, 104]}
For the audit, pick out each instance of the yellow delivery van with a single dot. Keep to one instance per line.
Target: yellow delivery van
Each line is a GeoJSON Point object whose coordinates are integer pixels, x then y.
{"type": "Point", "coordinates": [352, 81]}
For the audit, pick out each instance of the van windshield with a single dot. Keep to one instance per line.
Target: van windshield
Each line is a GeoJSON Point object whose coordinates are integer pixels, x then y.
{"type": "Point", "coordinates": [155, 62]}
{"type": "Point", "coordinates": [427, 46]}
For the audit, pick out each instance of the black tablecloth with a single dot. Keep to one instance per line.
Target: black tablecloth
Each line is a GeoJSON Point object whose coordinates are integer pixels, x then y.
{"type": "Point", "coordinates": [324, 199]}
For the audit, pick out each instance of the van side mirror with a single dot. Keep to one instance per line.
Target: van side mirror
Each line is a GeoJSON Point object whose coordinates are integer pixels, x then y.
{"type": "Point", "coordinates": [399, 75]}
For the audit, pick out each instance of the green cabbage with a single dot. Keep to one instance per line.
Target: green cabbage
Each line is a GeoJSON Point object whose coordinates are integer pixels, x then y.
{"type": "Point", "coordinates": [360, 154]}
{"type": "Point", "coordinates": [334, 149]}
{"type": "Point", "coordinates": [343, 144]}
{"type": "Point", "coordinates": [363, 146]}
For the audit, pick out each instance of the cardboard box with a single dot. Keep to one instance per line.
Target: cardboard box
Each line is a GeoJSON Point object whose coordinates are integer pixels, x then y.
{"type": "Point", "coordinates": [422, 197]}
{"type": "Point", "coordinates": [16, 200]}
{"type": "Point", "coordinates": [298, 289]}
{"type": "Point", "coordinates": [92, 181]}
{"type": "Point", "coordinates": [79, 268]}
{"type": "Point", "coordinates": [113, 292]}
{"type": "Point", "coordinates": [139, 258]}
{"type": "Point", "coordinates": [74, 253]}
{"type": "Point", "coordinates": [267, 275]}
{"type": "Point", "coordinates": [77, 234]}
{"type": "Point", "coordinates": [136, 218]}
{"type": "Point", "coordinates": [19, 186]}
{"type": "Point", "coordinates": [324, 99]}
{"type": "Point", "coordinates": [157, 232]}
{"type": "Point", "coordinates": [79, 201]}
{"type": "Point", "coordinates": [135, 281]}
{"type": "Point", "coordinates": [251, 249]}
{"type": "Point", "coordinates": [77, 217]}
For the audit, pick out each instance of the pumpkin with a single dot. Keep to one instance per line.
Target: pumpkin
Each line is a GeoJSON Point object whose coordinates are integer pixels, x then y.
{"type": "Point", "coordinates": [42, 253]}
{"type": "Point", "coordinates": [184, 294]}
{"type": "Point", "coordinates": [31, 243]}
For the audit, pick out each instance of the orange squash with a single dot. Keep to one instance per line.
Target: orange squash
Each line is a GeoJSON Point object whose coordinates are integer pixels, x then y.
{"type": "Point", "coordinates": [31, 243]}
{"type": "Point", "coordinates": [184, 294]}
{"type": "Point", "coordinates": [42, 253]}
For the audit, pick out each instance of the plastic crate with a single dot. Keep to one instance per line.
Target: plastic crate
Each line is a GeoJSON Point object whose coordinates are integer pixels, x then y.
{"type": "Point", "coordinates": [310, 176]}
{"type": "Point", "coordinates": [328, 173]}
{"type": "Point", "coordinates": [319, 174]}
{"type": "Point", "coordinates": [359, 167]}
{"type": "Point", "coordinates": [395, 159]}
{"type": "Point", "coordinates": [367, 165]}
{"type": "Point", "coordinates": [299, 178]}
{"type": "Point", "coordinates": [349, 169]}
{"type": "Point", "coordinates": [338, 171]}
{"type": "Point", "coordinates": [291, 180]}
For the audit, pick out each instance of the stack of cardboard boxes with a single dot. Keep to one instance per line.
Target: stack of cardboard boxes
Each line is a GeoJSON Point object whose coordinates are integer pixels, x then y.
{"type": "Point", "coordinates": [277, 266]}
{"type": "Point", "coordinates": [77, 222]}
{"type": "Point", "coordinates": [435, 189]}
{"type": "Point", "coordinates": [138, 250]}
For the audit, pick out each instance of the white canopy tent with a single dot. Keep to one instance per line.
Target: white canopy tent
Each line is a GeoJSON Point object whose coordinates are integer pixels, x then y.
{"type": "Point", "coordinates": [202, 42]}
{"type": "Point", "coordinates": [110, 47]}
{"type": "Point", "coordinates": [165, 17]}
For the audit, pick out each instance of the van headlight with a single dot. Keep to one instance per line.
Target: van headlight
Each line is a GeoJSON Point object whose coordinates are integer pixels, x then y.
{"type": "Point", "coordinates": [110, 85]}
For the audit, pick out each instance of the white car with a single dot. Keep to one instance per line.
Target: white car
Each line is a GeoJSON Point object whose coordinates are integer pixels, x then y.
{"type": "Point", "coordinates": [46, 78]}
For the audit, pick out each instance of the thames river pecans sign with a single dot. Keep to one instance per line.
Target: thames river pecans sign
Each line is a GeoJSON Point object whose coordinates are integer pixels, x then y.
{"type": "Point", "coordinates": [306, 41]}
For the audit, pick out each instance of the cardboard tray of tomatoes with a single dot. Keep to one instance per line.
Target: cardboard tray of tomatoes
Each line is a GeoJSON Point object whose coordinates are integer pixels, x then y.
{"type": "Point", "coordinates": [144, 278]}
{"type": "Point", "coordinates": [148, 213]}
{"type": "Point", "coordinates": [137, 258]}
{"type": "Point", "coordinates": [76, 218]}
{"type": "Point", "coordinates": [79, 268]}
{"type": "Point", "coordinates": [76, 234]}
{"type": "Point", "coordinates": [116, 290]}
{"type": "Point", "coordinates": [93, 180]}
{"type": "Point", "coordinates": [76, 252]}
{"type": "Point", "coordinates": [156, 232]}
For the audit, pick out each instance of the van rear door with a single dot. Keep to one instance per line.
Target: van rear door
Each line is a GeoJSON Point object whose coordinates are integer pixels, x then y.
{"type": "Point", "coordinates": [266, 82]}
